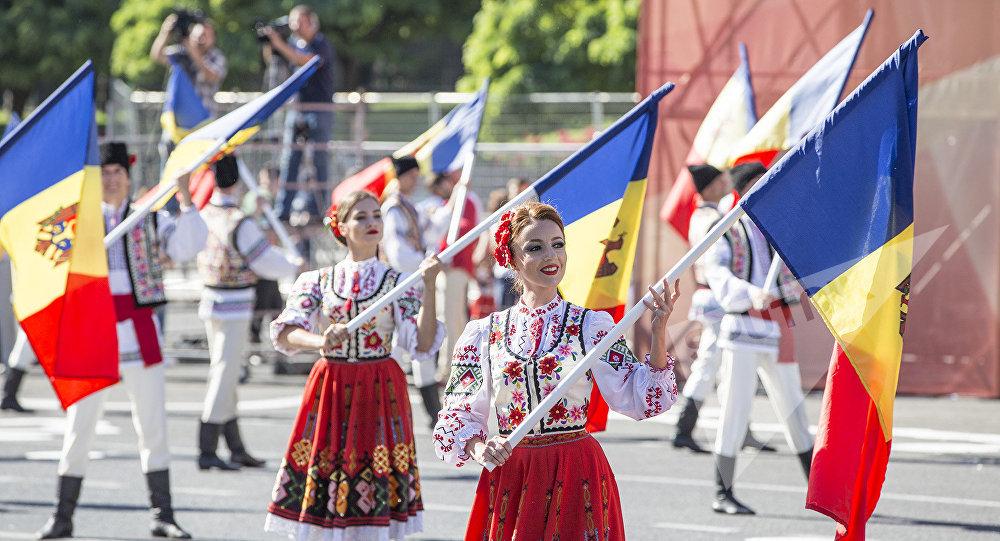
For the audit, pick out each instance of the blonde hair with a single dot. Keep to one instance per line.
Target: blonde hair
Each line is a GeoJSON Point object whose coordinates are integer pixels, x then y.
{"type": "Point", "coordinates": [524, 215]}
{"type": "Point", "coordinates": [338, 212]}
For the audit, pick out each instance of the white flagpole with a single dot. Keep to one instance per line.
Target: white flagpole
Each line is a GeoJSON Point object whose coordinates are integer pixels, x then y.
{"type": "Point", "coordinates": [458, 198]}
{"type": "Point", "coordinates": [276, 224]}
{"type": "Point", "coordinates": [629, 319]}
{"type": "Point", "coordinates": [771, 282]}
{"type": "Point", "coordinates": [161, 191]}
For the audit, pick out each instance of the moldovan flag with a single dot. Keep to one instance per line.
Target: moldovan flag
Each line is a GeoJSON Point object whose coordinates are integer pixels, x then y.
{"type": "Point", "coordinates": [183, 110]}
{"type": "Point", "coordinates": [839, 211]}
{"type": "Point", "coordinates": [599, 191]}
{"type": "Point", "coordinates": [727, 122]}
{"type": "Point", "coordinates": [443, 148]}
{"type": "Point", "coordinates": [52, 226]}
{"type": "Point", "coordinates": [804, 105]}
{"type": "Point", "coordinates": [226, 133]}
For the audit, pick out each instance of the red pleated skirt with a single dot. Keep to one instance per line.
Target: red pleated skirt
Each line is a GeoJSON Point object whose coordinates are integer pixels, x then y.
{"type": "Point", "coordinates": [552, 487]}
{"type": "Point", "coordinates": [351, 460]}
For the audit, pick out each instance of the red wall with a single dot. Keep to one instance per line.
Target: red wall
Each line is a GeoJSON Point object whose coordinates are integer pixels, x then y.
{"type": "Point", "coordinates": [952, 334]}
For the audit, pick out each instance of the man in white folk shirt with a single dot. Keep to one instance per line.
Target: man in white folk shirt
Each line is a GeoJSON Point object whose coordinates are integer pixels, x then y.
{"type": "Point", "coordinates": [236, 253]}
{"type": "Point", "coordinates": [136, 279]}
{"type": "Point", "coordinates": [736, 267]}
{"type": "Point", "coordinates": [405, 251]}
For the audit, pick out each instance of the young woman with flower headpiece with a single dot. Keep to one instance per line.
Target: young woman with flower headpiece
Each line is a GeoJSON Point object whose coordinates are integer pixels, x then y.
{"type": "Point", "coordinates": [556, 483]}
{"type": "Point", "coordinates": [350, 470]}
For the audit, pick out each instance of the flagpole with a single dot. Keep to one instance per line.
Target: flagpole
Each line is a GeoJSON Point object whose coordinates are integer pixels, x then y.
{"type": "Point", "coordinates": [162, 190]}
{"type": "Point", "coordinates": [445, 255]}
{"type": "Point", "coordinates": [627, 321]}
{"type": "Point", "coordinates": [276, 225]}
{"type": "Point", "coordinates": [459, 199]}
{"type": "Point", "coordinates": [770, 282]}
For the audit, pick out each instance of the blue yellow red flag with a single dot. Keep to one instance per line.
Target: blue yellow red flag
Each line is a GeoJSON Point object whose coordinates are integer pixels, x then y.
{"type": "Point", "coordinates": [52, 226]}
{"type": "Point", "coordinates": [729, 119]}
{"type": "Point", "coordinates": [183, 110]}
{"type": "Point", "coordinates": [839, 211]}
{"type": "Point", "coordinates": [805, 104]}
{"type": "Point", "coordinates": [599, 191]}
{"type": "Point", "coordinates": [223, 135]}
{"type": "Point", "coordinates": [443, 148]}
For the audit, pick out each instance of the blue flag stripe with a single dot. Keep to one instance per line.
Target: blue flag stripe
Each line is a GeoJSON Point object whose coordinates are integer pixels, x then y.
{"type": "Point", "coordinates": [822, 212]}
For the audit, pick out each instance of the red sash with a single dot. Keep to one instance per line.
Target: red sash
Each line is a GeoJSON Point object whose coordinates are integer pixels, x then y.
{"type": "Point", "coordinates": [145, 329]}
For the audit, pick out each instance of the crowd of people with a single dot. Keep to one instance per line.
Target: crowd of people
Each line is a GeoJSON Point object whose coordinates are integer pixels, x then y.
{"type": "Point", "coordinates": [351, 463]}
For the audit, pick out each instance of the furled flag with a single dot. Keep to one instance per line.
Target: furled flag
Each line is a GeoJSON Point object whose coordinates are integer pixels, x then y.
{"type": "Point", "coordinates": [223, 135]}
{"type": "Point", "coordinates": [599, 191]}
{"type": "Point", "coordinates": [728, 120]}
{"type": "Point", "coordinates": [183, 110]}
{"type": "Point", "coordinates": [804, 105]}
{"type": "Point", "coordinates": [52, 227]}
{"type": "Point", "coordinates": [839, 211]}
{"type": "Point", "coordinates": [443, 148]}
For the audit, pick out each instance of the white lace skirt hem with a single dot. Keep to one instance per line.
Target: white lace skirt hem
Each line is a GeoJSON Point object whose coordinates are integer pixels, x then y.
{"type": "Point", "coordinates": [300, 531]}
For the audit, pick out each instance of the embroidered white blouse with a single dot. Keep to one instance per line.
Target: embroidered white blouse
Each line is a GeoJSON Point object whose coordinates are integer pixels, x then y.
{"type": "Point", "coordinates": [512, 359]}
{"type": "Point", "coordinates": [319, 298]}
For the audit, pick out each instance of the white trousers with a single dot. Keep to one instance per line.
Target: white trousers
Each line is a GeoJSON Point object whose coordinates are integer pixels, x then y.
{"type": "Point", "coordinates": [227, 339]}
{"type": "Point", "coordinates": [21, 356]}
{"type": "Point", "coordinates": [453, 309]}
{"type": "Point", "coordinates": [783, 384]}
{"type": "Point", "coordinates": [706, 365]}
{"type": "Point", "coordinates": [146, 388]}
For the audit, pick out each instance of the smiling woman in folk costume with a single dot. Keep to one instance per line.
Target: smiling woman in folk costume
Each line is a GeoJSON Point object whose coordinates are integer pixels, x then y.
{"type": "Point", "coordinates": [557, 482]}
{"type": "Point", "coordinates": [350, 470]}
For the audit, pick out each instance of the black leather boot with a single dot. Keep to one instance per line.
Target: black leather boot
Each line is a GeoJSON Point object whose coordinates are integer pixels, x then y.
{"type": "Point", "coordinates": [725, 502]}
{"type": "Point", "coordinates": [237, 451]}
{"type": "Point", "coordinates": [806, 459]}
{"type": "Point", "coordinates": [11, 384]}
{"type": "Point", "coordinates": [432, 402]}
{"type": "Point", "coordinates": [684, 438]}
{"type": "Point", "coordinates": [163, 523]}
{"type": "Point", "coordinates": [60, 525]}
{"type": "Point", "coordinates": [208, 442]}
{"type": "Point", "coordinates": [751, 442]}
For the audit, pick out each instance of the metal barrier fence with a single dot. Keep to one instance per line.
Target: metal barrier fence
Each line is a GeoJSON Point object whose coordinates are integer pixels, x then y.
{"type": "Point", "coordinates": [525, 136]}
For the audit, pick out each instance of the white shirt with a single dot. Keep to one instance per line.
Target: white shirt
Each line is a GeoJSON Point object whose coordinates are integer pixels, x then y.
{"type": "Point", "coordinates": [399, 249]}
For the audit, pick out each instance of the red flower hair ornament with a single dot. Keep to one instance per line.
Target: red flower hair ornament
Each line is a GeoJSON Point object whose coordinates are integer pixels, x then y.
{"type": "Point", "coordinates": [502, 237]}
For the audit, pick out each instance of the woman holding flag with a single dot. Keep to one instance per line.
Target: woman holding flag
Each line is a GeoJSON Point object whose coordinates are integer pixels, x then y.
{"type": "Point", "coordinates": [557, 482]}
{"type": "Point", "coordinates": [350, 470]}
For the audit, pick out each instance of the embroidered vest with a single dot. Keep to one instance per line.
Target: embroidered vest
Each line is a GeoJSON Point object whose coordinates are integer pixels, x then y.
{"type": "Point", "coordinates": [786, 285]}
{"type": "Point", "coordinates": [142, 254]}
{"type": "Point", "coordinates": [521, 383]}
{"type": "Point", "coordinates": [413, 233]}
{"type": "Point", "coordinates": [373, 340]}
{"type": "Point", "coordinates": [221, 264]}
{"type": "Point", "coordinates": [741, 262]}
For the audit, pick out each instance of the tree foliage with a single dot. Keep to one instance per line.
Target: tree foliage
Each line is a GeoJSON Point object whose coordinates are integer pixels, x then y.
{"type": "Point", "coordinates": [391, 44]}
{"type": "Point", "coordinates": [556, 45]}
{"type": "Point", "coordinates": [44, 41]}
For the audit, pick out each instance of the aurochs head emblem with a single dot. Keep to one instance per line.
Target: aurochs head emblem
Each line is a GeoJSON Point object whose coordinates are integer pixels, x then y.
{"type": "Point", "coordinates": [904, 302]}
{"type": "Point", "coordinates": [56, 234]}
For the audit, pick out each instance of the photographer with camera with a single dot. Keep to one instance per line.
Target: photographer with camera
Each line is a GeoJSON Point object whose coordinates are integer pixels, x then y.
{"type": "Point", "coordinates": [311, 120]}
{"type": "Point", "coordinates": [194, 51]}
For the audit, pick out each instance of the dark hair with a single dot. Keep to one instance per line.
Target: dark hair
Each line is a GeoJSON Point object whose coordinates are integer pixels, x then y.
{"type": "Point", "coordinates": [339, 210]}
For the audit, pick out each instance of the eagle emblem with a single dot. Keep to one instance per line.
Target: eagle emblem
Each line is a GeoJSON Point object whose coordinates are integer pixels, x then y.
{"type": "Point", "coordinates": [56, 234]}
{"type": "Point", "coordinates": [904, 302]}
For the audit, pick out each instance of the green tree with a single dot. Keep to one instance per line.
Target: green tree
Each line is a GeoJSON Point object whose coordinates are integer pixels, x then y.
{"type": "Point", "coordinates": [380, 45]}
{"type": "Point", "coordinates": [555, 45]}
{"type": "Point", "coordinates": [45, 41]}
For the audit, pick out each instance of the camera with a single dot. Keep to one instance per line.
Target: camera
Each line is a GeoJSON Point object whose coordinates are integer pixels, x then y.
{"type": "Point", "coordinates": [186, 19]}
{"type": "Point", "coordinates": [279, 25]}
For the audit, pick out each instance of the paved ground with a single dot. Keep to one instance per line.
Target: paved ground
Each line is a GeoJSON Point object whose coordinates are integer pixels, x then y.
{"type": "Point", "coordinates": [943, 481]}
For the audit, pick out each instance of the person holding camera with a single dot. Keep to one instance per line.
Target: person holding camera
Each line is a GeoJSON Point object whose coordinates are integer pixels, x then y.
{"type": "Point", "coordinates": [312, 120]}
{"type": "Point", "coordinates": [194, 51]}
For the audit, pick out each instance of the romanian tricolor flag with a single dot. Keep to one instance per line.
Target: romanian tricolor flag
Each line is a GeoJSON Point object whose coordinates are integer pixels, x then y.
{"type": "Point", "coordinates": [183, 110]}
{"type": "Point", "coordinates": [52, 227]}
{"type": "Point", "coordinates": [222, 136]}
{"type": "Point", "coordinates": [599, 192]}
{"type": "Point", "coordinates": [804, 105]}
{"type": "Point", "coordinates": [443, 148]}
{"type": "Point", "coordinates": [727, 122]}
{"type": "Point", "coordinates": [839, 211]}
